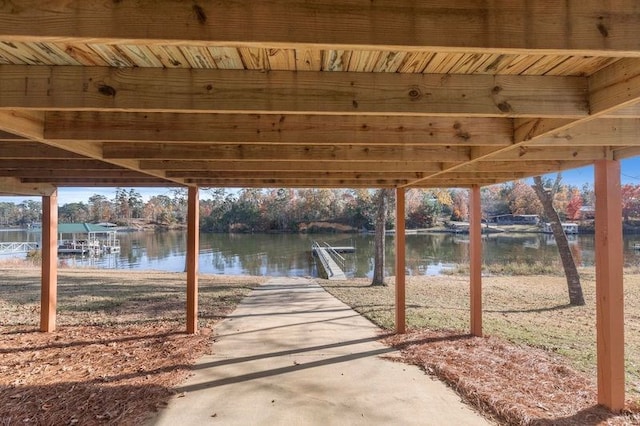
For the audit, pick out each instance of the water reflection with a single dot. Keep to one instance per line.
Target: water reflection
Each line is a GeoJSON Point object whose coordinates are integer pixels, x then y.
{"type": "Point", "coordinates": [289, 255]}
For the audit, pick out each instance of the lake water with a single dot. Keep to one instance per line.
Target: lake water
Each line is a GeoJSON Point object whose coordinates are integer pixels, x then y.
{"type": "Point", "coordinates": [289, 254]}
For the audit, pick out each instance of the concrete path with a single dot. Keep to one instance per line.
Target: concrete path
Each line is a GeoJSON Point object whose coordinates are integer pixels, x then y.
{"type": "Point", "coordinates": [292, 354]}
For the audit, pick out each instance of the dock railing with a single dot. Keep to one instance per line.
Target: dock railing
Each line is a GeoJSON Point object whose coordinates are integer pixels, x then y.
{"type": "Point", "coordinates": [315, 245]}
{"type": "Point", "coordinates": [336, 256]}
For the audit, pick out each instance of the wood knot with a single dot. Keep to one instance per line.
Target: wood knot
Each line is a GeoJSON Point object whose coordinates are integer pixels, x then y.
{"type": "Point", "coordinates": [415, 94]}
{"type": "Point", "coordinates": [505, 107]}
{"type": "Point", "coordinates": [463, 135]}
{"type": "Point", "coordinates": [604, 31]}
{"type": "Point", "coordinates": [201, 15]}
{"type": "Point", "coordinates": [106, 90]}
{"type": "Point", "coordinates": [354, 103]}
{"type": "Point", "coordinates": [496, 90]}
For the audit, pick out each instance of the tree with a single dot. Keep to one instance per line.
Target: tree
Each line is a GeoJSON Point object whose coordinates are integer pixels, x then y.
{"type": "Point", "coordinates": [522, 199]}
{"type": "Point", "coordinates": [382, 198]}
{"type": "Point", "coordinates": [460, 205]}
{"type": "Point", "coordinates": [574, 287]}
{"type": "Point", "coordinates": [30, 211]}
{"type": "Point", "coordinates": [73, 213]}
{"type": "Point", "coordinates": [574, 205]}
{"type": "Point", "coordinates": [630, 201]}
{"type": "Point", "coordinates": [100, 208]}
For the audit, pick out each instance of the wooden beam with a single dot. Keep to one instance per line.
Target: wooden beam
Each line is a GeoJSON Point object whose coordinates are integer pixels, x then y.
{"type": "Point", "coordinates": [193, 250]}
{"type": "Point", "coordinates": [609, 285]}
{"type": "Point", "coordinates": [622, 153]}
{"type": "Point", "coordinates": [267, 152]}
{"type": "Point", "coordinates": [460, 175]}
{"type": "Point", "coordinates": [9, 137]}
{"type": "Point", "coordinates": [49, 285]}
{"type": "Point", "coordinates": [418, 166]}
{"type": "Point", "coordinates": [475, 260]}
{"type": "Point", "coordinates": [278, 128]}
{"type": "Point", "coordinates": [45, 173]}
{"type": "Point", "coordinates": [401, 322]}
{"type": "Point", "coordinates": [206, 90]}
{"type": "Point", "coordinates": [541, 153]}
{"type": "Point", "coordinates": [33, 150]}
{"type": "Point", "coordinates": [601, 132]}
{"type": "Point", "coordinates": [299, 183]}
{"type": "Point", "coordinates": [447, 183]}
{"type": "Point", "coordinates": [28, 124]}
{"type": "Point", "coordinates": [243, 175]}
{"type": "Point", "coordinates": [13, 186]}
{"type": "Point", "coordinates": [514, 26]}
{"type": "Point", "coordinates": [38, 164]}
{"type": "Point", "coordinates": [91, 181]}
{"type": "Point", "coordinates": [611, 89]}
{"type": "Point", "coordinates": [615, 87]}
{"type": "Point", "coordinates": [529, 167]}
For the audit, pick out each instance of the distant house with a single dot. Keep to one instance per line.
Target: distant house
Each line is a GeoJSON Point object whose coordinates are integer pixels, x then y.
{"type": "Point", "coordinates": [587, 212]}
{"type": "Point", "coordinates": [515, 219]}
{"type": "Point", "coordinates": [569, 228]}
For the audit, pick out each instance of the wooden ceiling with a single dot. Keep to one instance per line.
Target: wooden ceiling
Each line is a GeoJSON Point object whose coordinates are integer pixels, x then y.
{"type": "Point", "coordinates": [292, 93]}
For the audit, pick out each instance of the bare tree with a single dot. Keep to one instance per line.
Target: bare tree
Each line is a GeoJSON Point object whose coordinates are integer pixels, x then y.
{"type": "Point", "coordinates": [570, 271]}
{"type": "Point", "coordinates": [382, 198]}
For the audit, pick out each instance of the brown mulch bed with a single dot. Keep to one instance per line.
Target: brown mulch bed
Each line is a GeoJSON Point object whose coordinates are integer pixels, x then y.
{"type": "Point", "coordinates": [516, 385]}
{"type": "Point", "coordinates": [92, 375]}
{"type": "Point", "coordinates": [118, 352]}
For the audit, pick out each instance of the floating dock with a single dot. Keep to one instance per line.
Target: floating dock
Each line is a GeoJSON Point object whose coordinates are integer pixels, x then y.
{"type": "Point", "coordinates": [329, 258]}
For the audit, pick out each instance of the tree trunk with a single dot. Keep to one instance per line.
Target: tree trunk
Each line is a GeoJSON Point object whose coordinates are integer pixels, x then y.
{"type": "Point", "coordinates": [379, 240]}
{"type": "Point", "coordinates": [570, 271]}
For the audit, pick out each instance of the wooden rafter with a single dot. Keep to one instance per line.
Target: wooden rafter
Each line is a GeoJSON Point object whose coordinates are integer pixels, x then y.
{"type": "Point", "coordinates": [499, 26]}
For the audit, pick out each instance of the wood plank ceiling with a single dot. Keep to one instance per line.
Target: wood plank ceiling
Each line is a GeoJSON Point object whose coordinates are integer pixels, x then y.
{"type": "Point", "coordinates": [290, 93]}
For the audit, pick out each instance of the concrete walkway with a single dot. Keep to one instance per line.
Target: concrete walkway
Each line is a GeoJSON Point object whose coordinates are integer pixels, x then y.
{"type": "Point", "coordinates": [292, 354]}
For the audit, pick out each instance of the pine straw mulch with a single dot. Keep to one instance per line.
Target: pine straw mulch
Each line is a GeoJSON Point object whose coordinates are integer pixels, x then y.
{"type": "Point", "coordinates": [93, 375]}
{"type": "Point", "coordinates": [515, 385]}
{"type": "Point", "coordinates": [118, 352]}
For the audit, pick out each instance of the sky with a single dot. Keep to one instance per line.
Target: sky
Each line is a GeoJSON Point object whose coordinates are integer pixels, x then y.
{"type": "Point", "coordinates": [630, 173]}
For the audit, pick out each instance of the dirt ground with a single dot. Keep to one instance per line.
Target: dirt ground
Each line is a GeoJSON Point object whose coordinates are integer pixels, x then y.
{"type": "Point", "coordinates": [119, 349]}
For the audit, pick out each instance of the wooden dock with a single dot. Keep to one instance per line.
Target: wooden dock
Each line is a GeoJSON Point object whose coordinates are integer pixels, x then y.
{"type": "Point", "coordinates": [18, 247]}
{"type": "Point", "coordinates": [329, 258]}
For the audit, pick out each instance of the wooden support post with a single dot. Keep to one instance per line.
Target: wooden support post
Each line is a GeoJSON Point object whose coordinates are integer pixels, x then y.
{"type": "Point", "coordinates": [401, 323]}
{"type": "Point", "coordinates": [475, 260]}
{"type": "Point", "coordinates": [609, 285]}
{"type": "Point", "coordinates": [49, 283]}
{"type": "Point", "coordinates": [193, 249]}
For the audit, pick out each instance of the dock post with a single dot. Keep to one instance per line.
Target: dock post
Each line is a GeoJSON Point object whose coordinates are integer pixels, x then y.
{"type": "Point", "coordinates": [475, 260]}
{"type": "Point", "coordinates": [49, 273]}
{"type": "Point", "coordinates": [193, 249]}
{"type": "Point", "coordinates": [609, 285]}
{"type": "Point", "coordinates": [401, 322]}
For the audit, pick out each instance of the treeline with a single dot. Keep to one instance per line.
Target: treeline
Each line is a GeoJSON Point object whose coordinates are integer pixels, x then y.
{"type": "Point", "coordinates": [309, 210]}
